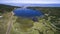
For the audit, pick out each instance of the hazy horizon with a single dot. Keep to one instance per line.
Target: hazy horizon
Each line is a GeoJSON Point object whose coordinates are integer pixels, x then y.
{"type": "Point", "coordinates": [40, 3]}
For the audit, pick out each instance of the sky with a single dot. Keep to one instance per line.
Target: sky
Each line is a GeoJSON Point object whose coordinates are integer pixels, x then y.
{"type": "Point", "coordinates": [32, 1]}
{"type": "Point", "coordinates": [40, 3]}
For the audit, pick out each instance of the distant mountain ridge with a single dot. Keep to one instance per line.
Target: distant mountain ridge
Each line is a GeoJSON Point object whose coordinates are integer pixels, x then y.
{"type": "Point", "coordinates": [33, 5]}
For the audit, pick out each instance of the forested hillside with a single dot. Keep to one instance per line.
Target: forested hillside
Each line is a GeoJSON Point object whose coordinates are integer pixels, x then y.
{"type": "Point", "coordinates": [49, 24]}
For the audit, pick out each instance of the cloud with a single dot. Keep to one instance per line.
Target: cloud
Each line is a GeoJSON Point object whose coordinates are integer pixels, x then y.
{"type": "Point", "coordinates": [31, 1]}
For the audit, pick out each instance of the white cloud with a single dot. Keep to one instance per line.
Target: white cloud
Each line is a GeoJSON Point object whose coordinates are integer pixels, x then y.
{"type": "Point", "coordinates": [31, 1]}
